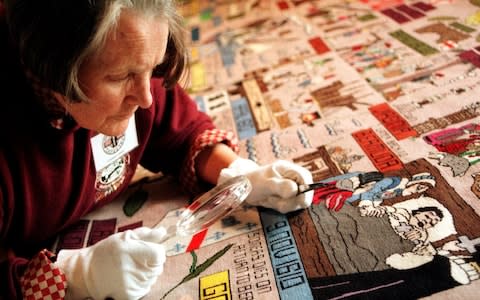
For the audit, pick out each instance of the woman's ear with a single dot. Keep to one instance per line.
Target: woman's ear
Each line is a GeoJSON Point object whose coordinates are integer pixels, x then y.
{"type": "Point", "coordinates": [62, 100]}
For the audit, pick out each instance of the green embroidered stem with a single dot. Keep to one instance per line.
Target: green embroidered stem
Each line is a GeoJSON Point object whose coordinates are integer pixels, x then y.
{"type": "Point", "coordinates": [195, 271]}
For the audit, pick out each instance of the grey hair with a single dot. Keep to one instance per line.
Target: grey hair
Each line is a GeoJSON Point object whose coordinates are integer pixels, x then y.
{"type": "Point", "coordinates": [108, 22]}
{"type": "Point", "coordinates": [55, 37]}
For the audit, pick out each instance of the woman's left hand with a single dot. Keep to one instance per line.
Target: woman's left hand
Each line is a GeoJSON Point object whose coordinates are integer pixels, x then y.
{"type": "Point", "coordinates": [274, 185]}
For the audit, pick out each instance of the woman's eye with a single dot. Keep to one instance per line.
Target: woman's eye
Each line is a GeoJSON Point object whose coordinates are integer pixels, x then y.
{"type": "Point", "coordinates": [121, 77]}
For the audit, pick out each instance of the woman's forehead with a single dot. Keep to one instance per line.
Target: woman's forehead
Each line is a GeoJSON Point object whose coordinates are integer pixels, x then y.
{"type": "Point", "coordinates": [134, 37]}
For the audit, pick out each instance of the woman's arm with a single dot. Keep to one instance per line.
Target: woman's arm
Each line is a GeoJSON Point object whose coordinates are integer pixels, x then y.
{"type": "Point", "coordinates": [212, 160]}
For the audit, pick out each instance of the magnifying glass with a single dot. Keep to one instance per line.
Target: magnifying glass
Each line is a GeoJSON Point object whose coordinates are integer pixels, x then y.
{"type": "Point", "coordinates": [211, 207]}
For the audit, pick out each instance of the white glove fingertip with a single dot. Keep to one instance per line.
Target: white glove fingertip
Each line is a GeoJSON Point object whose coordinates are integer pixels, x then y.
{"type": "Point", "coordinates": [284, 188]}
{"type": "Point", "coordinates": [281, 205]}
{"type": "Point", "coordinates": [146, 234]}
{"type": "Point", "coordinates": [293, 171]}
{"type": "Point", "coordinates": [307, 199]}
{"type": "Point", "coordinates": [152, 255]}
{"type": "Point", "coordinates": [157, 235]}
{"type": "Point", "coordinates": [138, 233]}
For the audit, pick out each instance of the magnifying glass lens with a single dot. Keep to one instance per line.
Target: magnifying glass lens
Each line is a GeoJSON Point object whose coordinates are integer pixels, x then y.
{"type": "Point", "coordinates": [213, 205]}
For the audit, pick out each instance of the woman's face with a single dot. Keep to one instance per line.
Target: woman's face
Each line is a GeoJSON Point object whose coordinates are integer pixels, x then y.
{"type": "Point", "coordinates": [117, 80]}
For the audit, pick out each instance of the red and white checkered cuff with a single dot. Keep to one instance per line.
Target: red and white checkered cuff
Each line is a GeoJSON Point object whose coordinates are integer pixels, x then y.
{"type": "Point", "coordinates": [206, 139]}
{"type": "Point", "coordinates": [42, 279]}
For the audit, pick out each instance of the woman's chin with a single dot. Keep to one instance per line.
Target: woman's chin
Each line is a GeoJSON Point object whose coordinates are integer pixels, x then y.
{"type": "Point", "coordinates": [115, 129]}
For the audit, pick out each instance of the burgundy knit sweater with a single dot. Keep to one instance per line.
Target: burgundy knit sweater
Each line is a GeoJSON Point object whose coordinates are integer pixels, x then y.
{"type": "Point", "coordinates": [48, 179]}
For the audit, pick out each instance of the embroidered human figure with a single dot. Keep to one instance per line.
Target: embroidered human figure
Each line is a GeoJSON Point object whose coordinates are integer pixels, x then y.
{"type": "Point", "coordinates": [370, 186]}
{"type": "Point", "coordinates": [409, 225]}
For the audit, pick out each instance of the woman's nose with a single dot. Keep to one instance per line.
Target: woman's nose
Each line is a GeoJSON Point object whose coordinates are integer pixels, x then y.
{"type": "Point", "coordinates": [142, 93]}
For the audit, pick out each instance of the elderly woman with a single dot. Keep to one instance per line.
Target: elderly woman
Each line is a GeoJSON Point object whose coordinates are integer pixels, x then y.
{"type": "Point", "coordinates": [89, 91]}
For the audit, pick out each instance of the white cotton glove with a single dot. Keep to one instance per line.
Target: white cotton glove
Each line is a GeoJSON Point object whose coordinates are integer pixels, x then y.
{"type": "Point", "coordinates": [122, 266]}
{"type": "Point", "coordinates": [274, 185]}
